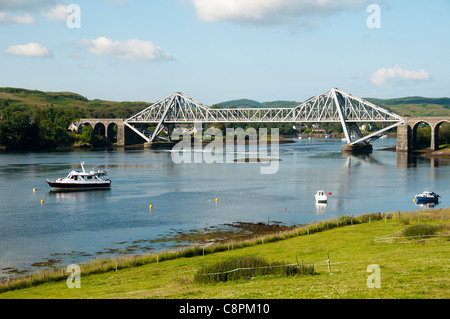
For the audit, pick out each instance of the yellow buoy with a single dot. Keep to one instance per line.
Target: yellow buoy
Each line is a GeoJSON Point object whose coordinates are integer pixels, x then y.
{"type": "Point", "coordinates": [42, 201]}
{"type": "Point", "coordinates": [217, 200]}
{"type": "Point", "coordinates": [414, 200]}
{"type": "Point", "coordinates": [151, 206]}
{"type": "Point", "coordinates": [34, 189]}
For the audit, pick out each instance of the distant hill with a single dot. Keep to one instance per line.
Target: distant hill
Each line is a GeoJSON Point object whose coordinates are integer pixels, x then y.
{"type": "Point", "coordinates": [29, 99]}
{"type": "Point", "coordinates": [32, 99]}
{"type": "Point", "coordinates": [246, 103]}
{"type": "Point", "coordinates": [406, 106]}
{"type": "Point", "coordinates": [415, 106]}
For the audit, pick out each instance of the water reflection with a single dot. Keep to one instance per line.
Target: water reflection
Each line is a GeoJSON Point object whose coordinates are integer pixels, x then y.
{"type": "Point", "coordinates": [428, 205]}
{"type": "Point", "coordinates": [321, 208]}
{"type": "Point", "coordinates": [80, 195]}
{"type": "Point", "coordinates": [411, 160]}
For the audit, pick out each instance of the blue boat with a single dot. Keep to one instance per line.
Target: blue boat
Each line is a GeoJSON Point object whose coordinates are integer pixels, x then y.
{"type": "Point", "coordinates": [427, 196]}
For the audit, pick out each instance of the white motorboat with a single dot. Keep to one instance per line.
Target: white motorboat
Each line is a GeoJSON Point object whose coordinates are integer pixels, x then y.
{"type": "Point", "coordinates": [427, 196]}
{"type": "Point", "coordinates": [321, 197]}
{"type": "Point", "coordinates": [81, 180]}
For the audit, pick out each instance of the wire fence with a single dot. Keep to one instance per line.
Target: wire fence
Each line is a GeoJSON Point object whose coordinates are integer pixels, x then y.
{"type": "Point", "coordinates": [266, 267]}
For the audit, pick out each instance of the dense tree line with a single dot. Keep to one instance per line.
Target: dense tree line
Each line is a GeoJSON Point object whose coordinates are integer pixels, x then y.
{"type": "Point", "coordinates": [25, 126]}
{"type": "Point", "coordinates": [22, 127]}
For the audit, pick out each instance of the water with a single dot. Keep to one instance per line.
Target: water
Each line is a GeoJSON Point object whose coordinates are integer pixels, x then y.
{"type": "Point", "coordinates": [77, 226]}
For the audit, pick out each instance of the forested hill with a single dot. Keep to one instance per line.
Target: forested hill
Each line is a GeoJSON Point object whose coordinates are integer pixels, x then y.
{"type": "Point", "coordinates": [37, 119]}
{"type": "Point", "coordinates": [34, 99]}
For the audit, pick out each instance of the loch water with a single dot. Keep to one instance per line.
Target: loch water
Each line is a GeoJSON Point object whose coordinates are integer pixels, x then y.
{"type": "Point", "coordinates": [73, 227]}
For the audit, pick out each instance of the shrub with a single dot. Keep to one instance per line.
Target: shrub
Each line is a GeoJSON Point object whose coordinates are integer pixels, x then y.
{"type": "Point", "coordinates": [420, 231]}
{"type": "Point", "coordinates": [247, 267]}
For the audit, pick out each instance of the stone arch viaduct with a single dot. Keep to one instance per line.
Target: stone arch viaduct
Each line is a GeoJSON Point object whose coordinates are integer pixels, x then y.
{"type": "Point", "coordinates": [407, 133]}
{"type": "Point", "coordinates": [113, 129]}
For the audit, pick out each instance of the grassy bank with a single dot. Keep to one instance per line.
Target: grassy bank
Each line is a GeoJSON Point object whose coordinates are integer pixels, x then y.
{"type": "Point", "coordinates": [412, 264]}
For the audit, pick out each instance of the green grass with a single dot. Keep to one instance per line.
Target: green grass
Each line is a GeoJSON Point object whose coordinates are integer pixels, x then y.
{"type": "Point", "coordinates": [415, 269]}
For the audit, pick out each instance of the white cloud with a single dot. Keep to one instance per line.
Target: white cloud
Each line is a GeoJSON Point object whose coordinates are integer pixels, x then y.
{"type": "Point", "coordinates": [27, 5]}
{"type": "Point", "coordinates": [29, 50]}
{"type": "Point", "coordinates": [51, 9]}
{"type": "Point", "coordinates": [396, 73]}
{"type": "Point", "coordinates": [135, 50]}
{"type": "Point", "coordinates": [273, 11]}
{"type": "Point", "coordinates": [24, 19]}
{"type": "Point", "coordinates": [58, 12]}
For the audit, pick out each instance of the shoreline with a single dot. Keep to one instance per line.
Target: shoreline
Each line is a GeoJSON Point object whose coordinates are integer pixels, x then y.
{"type": "Point", "coordinates": [213, 239]}
{"type": "Point", "coordinates": [158, 145]}
{"type": "Point", "coordinates": [346, 244]}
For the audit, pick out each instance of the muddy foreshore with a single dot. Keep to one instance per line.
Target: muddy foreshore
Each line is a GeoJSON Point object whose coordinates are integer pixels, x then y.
{"type": "Point", "coordinates": [174, 239]}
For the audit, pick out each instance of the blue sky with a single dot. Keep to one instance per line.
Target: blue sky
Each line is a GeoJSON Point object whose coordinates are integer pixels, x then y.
{"type": "Point", "coordinates": [219, 50]}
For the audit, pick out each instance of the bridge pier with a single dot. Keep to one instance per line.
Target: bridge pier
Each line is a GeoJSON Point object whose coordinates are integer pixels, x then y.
{"type": "Point", "coordinates": [404, 138]}
{"type": "Point", "coordinates": [357, 148]}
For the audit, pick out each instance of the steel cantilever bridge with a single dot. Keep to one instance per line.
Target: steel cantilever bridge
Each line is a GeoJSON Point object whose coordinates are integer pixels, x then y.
{"type": "Point", "coordinates": [334, 105]}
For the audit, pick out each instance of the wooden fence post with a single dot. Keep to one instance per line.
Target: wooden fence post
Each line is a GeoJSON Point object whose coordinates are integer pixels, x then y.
{"type": "Point", "coordinates": [329, 264]}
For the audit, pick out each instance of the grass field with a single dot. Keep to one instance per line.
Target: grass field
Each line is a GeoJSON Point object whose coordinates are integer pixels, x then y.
{"type": "Point", "coordinates": [408, 267]}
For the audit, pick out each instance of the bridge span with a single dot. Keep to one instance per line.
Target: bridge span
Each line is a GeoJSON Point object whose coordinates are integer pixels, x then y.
{"type": "Point", "coordinates": [332, 106]}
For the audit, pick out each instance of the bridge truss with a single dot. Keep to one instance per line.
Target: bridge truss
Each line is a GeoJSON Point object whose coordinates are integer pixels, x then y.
{"type": "Point", "coordinates": [332, 106]}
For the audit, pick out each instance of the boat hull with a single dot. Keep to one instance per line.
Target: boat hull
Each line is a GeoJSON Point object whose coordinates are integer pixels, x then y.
{"type": "Point", "coordinates": [55, 186]}
{"type": "Point", "coordinates": [427, 199]}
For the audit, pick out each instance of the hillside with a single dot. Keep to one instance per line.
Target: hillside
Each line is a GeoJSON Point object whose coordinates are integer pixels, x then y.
{"type": "Point", "coordinates": [406, 106]}
{"type": "Point", "coordinates": [32, 99]}
{"type": "Point", "coordinates": [246, 103]}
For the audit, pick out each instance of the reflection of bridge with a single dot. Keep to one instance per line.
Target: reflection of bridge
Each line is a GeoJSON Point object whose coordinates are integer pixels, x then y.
{"type": "Point", "coordinates": [332, 106]}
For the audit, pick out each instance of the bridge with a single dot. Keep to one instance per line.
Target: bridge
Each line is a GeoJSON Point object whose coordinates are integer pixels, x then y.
{"type": "Point", "coordinates": [332, 106]}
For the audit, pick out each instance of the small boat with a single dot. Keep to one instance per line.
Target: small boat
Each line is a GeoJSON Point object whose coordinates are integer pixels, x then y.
{"type": "Point", "coordinates": [427, 196]}
{"type": "Point", "coordinates": [321, 196]}
{"type": "Point", "coordinates": [81, 180]}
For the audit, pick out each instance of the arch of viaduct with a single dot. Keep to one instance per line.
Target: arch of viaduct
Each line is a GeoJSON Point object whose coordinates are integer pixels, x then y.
{"type": "Point", "coordinates": [113, 129]}
{"type": "Point", "coordinates": [407, 133]}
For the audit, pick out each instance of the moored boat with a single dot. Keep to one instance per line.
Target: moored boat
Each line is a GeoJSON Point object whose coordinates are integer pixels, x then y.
{"type": "Point", "coordinates": [81, 180]}
{"type": "Point", "coordinates": [321, 197]}
{"type": "Point", "coordinates": [427, 196]}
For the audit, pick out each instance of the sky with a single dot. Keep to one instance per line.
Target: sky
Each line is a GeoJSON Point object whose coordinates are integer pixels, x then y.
{"type": "Point", "coordinates": [221, 50]}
